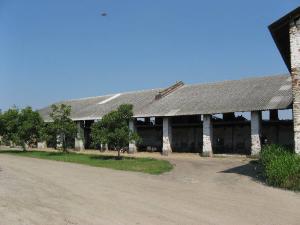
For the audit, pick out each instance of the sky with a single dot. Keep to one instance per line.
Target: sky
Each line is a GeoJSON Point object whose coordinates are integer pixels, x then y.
{"type": "Point", "coordinates": [52, 50]}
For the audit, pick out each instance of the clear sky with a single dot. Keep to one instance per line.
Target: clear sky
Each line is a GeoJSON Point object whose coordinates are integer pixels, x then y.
{"type": "Point", "coordinates": [51, 50]}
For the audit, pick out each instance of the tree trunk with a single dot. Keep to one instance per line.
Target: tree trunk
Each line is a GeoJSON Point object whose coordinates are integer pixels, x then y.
{"type": "Point", "coordinates": [119, 153]}
{"type": "Point", "coordinates": [64, 144]}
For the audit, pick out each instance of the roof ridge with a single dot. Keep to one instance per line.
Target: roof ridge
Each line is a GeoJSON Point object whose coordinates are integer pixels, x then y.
{"type": "Point", "coordinates": [185, 85]}
{"type": "Point", "coordinates": [112, 94]}
{"type": "Point", "coordinates": [236, 80]}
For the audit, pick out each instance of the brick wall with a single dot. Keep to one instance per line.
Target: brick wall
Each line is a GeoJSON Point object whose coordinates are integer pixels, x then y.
{"type": "Point", "coordinates": [295, 73]}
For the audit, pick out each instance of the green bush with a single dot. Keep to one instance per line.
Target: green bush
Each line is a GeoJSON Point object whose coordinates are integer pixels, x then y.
{"type": "Point", "coordinates": [270, 152]}
{"type": "Point", "coordinates": [281, 167]}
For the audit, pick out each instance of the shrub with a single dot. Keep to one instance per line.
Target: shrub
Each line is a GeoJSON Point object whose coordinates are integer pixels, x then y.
{"type": "Point", "coordinates": [270, 152]}
{"type": "Point", "coordinates": [281, 167]}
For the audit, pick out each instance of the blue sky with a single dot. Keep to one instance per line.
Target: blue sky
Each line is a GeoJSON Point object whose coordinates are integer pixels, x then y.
{"type": "Point", "coordinates": [64, 49]}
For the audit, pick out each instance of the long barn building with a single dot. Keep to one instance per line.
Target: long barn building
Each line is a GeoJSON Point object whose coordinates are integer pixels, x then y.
{"type": "Point", "coordinates": [203, 117]}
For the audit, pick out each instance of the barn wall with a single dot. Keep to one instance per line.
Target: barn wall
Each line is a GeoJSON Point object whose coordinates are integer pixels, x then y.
{"type": "Point", "coordinates": [187, 139]}
{"type": "Point", "coordinates": [280, 132]}
{"type": "Point", "coordinates": [229, 137]}
{"type": "Point", "coordinates": [232, 138]}
{"type": "Point", "coordinates": [151, 138]}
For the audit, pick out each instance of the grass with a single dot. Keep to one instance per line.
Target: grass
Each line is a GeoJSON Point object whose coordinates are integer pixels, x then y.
{"type": "Point", "coordinates": [144, 165]}
{"type": "Point", "coordinates": [281, 167]}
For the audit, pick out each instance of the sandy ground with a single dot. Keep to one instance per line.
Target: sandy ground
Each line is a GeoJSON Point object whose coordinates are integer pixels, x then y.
{"type": "Point", "coordinates": [208, 191]}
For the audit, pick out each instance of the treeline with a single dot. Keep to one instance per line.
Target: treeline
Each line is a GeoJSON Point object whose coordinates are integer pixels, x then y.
{"type": "Point", "coordinates": [25, 127]}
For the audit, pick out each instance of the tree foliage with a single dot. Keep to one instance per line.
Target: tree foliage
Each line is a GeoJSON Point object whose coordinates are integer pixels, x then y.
{"type": "Point", "coordinates": [9, 125]}
{"type": "Point", "coordinates": [20, 126]}
{"type": "Point", "coordinates": [62, 126]}
{"type": "Point", "coordinates": [1, 124]}
{"type": "Point", "coordinates": [30, 124]}
{"type": "Point", "coordinates": [113, 129]}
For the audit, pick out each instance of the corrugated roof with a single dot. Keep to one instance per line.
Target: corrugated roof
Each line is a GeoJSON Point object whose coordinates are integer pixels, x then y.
{"type": "Point", "coordinates": [96, 107]}
{"type": "Point", "coordinates": [263, 93]}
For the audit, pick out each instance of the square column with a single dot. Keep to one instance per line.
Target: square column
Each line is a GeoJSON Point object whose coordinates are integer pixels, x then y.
{"type": "Point", "coordinates": [104, 147]}
{"type": "Point", "coordinates": [295, 73]}
{"type": "Point", "coordinates": [42, 145]}
{"type": "Point", "coordinates": [132, 145]}
{"type": "Point", "coordinates": [79, 139]}
{"type": "Point", "coordinates": [167, 136]}
{"type": "Point", "coordinates": [207, 136]}
{"type": "Point", "coordinates": [255, 133]}
{"type": "Point", "coordinates": [59, 143]}
{"type": "Point", "coordinates": [274, 115]}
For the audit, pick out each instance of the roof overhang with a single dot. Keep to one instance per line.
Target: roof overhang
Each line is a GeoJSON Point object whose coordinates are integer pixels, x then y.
{"type": "Point", "coordinates": [280, 33]}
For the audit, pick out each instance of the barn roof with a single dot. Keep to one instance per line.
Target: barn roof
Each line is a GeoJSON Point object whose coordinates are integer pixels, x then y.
{"type": "Point", "coordinates": [262, 93]}
{"type": "Point", "coordinates": [228, 96]}
{"type": "Point", "coordinates": [93, 108]}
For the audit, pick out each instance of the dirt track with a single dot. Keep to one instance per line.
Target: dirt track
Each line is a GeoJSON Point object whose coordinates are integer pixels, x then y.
{"type": "Point", "coordinates": [198, 191]}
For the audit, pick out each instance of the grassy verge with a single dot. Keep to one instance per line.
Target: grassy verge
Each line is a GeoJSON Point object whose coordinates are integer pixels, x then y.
{"type": "Point", "coordinates": [145, 165]}
{"type": "Point", "coordinates": [281, 167]}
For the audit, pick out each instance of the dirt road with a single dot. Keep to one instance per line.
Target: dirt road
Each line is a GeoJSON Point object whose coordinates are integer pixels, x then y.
{"type": "Point", "coordinates": [198, 191]}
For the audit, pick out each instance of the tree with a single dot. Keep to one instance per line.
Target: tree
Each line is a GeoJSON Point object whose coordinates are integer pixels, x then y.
{"type": "Point", "coordinates": [48, 134]}
{"type": "Point", "coordinates": [30, 124]}
{"type": "Point", "coordinates": [62, 126]}
{"type": "Point", "coordinates": [113, 129]}
{"type": "Point", "coordinates": [9, 125]}
{"type": "Point", "coordinates": [20, 127]}
{"type": "Point", "coordinates": [1, 127]}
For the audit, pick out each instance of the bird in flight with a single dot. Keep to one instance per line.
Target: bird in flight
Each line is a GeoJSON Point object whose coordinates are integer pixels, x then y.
{"type": "Point", "coordinates": [103, 13]}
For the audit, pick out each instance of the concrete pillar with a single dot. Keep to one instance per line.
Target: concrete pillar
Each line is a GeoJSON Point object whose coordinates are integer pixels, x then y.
{"type": "Point", "coordinates": [274, 115]}
{"type": "Point", "coordinates": [295, 73]}
{"type": "Point", "coordinates": [167, 136]}
{"type": "Point", "coordinates": [79, 139]}
{"type": "Point", "coordinates": [207, 136]}
{"type": "Point", "coordinates": [104, 147]}
{"type": "Point", "coordinates": [132, 145]}
{"type": "Point", "coordinates": [255, 132]}
{"type": "Point", "coordinates": [59, 143]}
{"type": "Point", "coordinates": [12, 144]}
{"type": "Point", "coordinates": [228, 116]}
{"type": "Point", "coordinates": [42, 145]}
